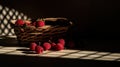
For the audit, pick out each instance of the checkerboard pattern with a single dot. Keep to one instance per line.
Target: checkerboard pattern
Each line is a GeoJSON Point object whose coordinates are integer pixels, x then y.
{"type": "Point", "coordinates": [70, 54]}
{"type": "Point", "coordinates": [6, 15]}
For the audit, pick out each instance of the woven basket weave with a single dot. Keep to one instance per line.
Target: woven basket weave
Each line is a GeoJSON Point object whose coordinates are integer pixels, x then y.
{"type": "Point", "coordinates": [52, 30]}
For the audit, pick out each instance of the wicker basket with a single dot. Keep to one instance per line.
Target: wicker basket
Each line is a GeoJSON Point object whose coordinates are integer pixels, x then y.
{"type": "Point", "coordinates": [53, 30]}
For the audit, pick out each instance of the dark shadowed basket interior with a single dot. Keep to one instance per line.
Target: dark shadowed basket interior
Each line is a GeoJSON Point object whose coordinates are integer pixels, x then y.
{"type": "Point", "coordinates": [53, 30]}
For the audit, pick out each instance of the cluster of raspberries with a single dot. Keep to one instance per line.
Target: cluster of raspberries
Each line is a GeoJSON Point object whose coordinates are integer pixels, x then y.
{"type": "Point", "coordinates": [39, 48]}
{"type": "Point", "coordinates": [38, 23]}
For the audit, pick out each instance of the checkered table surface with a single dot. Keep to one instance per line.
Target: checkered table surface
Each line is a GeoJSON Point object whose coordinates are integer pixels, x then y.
{"type": "Point", "coordinates": [67, 53]}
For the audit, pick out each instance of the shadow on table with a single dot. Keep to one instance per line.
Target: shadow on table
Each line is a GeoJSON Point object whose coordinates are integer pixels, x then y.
{"type": "Point", "coordinates": [13, 60]}
{"type": "Point", "coordinates": [8, 41]}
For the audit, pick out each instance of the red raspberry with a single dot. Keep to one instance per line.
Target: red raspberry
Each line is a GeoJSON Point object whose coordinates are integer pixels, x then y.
{"type": "Point", "coordinates": [59, 46]}
{"type": "Point", "coordinates": [19, 22]}
{"type": "Point", "coordinates": [62, 41]}
{"type": "Point", "coordinates": [53, 44]}
{"type": "Point", "coordinates": [40, 23]}
{"type": "Point", "coordinates": [46, 45]}
{"type": "Point", "coordinates": [33, 46]}
{"type": "Point", "coordinates": [39, 49]}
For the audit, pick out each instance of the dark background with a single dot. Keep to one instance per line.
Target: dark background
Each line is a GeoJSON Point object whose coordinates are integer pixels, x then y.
{"type": "Point", "coordinates": [96, 21]}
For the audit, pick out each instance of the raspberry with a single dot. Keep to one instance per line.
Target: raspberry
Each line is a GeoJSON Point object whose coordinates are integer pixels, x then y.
{"type": "Point", "coordinates": [33, 46]}
{"type": "Point", "coordinates": [40, 23]}
{"type": "Point", "coordinates": [59, 46]}
{"type": "Point", "coordinates": [62, 41]}
{"type": "Point", "coordinates": [39, 49]}
{"type": "Point", "coordinates": [53, 45]}
{"type": "Point", "coordinates": [46, 45]}
{"type": "Point", "coordinates": [19, 22]}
